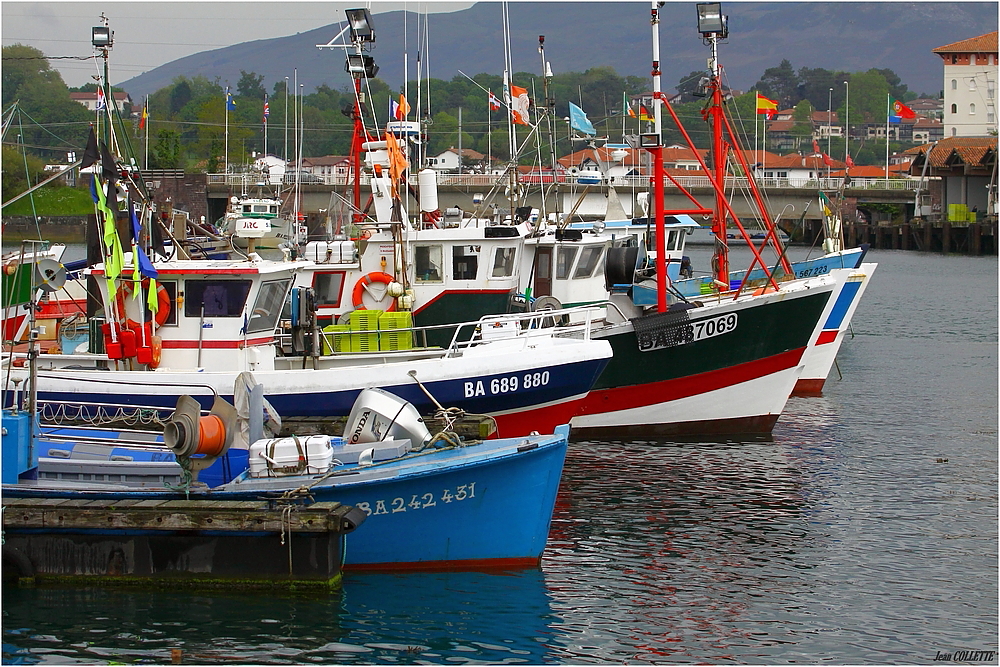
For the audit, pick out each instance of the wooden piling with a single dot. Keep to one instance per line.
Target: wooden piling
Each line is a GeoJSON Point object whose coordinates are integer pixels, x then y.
{"type": "Point", "coordinates": [946, 237]}
{"type": "Point", "coordinates": [904, 241]}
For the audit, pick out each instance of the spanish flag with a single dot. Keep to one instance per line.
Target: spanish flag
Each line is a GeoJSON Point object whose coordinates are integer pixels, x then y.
{"type": "Point", "coordinates": [766, 106]}
{"type": "Point", "coordinates": [143, 117]}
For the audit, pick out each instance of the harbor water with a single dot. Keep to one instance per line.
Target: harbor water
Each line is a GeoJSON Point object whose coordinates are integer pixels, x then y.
{"type": "Point", "coordinates": [863, 532]}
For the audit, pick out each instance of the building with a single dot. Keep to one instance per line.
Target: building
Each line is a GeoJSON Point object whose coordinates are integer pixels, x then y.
{"type": "Point", "coordinates": [89, 100]}
{"type": "Point", "coordinates": [332, 169]}
{"type": "Point", "coordinates": [472, 161]}
{"type": "Point", "coordinates": [970, 84]}
{"type": "Point", "coordinates": [966, 167]}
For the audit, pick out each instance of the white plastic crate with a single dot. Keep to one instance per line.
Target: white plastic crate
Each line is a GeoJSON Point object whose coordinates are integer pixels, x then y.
{"type": "Point", "coordinates": [279, 457]}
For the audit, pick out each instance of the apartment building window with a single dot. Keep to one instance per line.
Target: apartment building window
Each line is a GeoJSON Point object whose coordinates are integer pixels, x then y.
{"type": "Point", "coordinates": [990, 117]}
{"type": "Point", "coordinates": [954, 84]}
{"type": "Point", "coordinates": [954, 108]}
{"type": "Point", "coordinates": [972, 109]}
{"type": "Point", "coordinates": [972, 84]}
{"type": "Point", "coordinates": [972, 59]}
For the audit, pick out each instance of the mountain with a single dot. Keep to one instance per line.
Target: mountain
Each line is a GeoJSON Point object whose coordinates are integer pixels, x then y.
{"type": "Point", "coordinates": [851, 36]}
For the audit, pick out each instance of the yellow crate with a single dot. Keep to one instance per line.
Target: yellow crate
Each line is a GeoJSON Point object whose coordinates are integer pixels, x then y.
{"type": "Point", "coordinates": [338, 336]}
{"type": "Point", "coordinates": [394, 331]}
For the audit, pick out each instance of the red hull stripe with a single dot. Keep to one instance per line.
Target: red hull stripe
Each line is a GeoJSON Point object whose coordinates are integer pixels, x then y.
{"type": "Point", "coordinates": [635, 396]}
{"type": "Point", "coordinates": [459, 291]}
{"type": "Point", "coordinates": [827, 336]}
{"type": "Point", "coordinates": [216, 344]}
{"type": "Point", "coordinates": [809, 387]}
{"type": "Point", "coordinates": [543, 420]}
{"type": "Point", "coordinates": [464, 565]}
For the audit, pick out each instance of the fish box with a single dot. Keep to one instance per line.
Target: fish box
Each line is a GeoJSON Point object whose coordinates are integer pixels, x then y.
{"type": "Point", "coordinates": [277, 457]}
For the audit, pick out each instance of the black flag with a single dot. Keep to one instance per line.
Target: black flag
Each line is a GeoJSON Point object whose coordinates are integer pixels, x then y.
{"type": "Point", "coordinates": [90, 154]}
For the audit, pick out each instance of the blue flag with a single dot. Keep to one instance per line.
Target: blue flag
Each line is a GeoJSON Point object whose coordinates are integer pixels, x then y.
{"type": "Point", "coordinates": [230, 103]}
{"type": "Point", "coordinates": [141, 259]}
{"type": "Point", "coordinates": [578, 120]}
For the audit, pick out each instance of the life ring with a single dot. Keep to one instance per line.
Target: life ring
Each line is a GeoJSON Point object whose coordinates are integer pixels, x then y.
{"type": "Point", "coordinates": [162, 302]}
{"type": "Point", "coordinates": [367, 279]}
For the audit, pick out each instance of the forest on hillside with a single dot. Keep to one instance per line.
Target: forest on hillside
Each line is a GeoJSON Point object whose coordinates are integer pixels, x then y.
{"type": "Point", "coordinates": [189, 127]}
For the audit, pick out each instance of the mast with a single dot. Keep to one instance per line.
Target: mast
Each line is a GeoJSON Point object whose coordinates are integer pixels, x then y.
{"type": "Point", "coordinates": [654, 144]}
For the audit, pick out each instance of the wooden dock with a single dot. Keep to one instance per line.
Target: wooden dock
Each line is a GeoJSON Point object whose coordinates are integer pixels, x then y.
{"type": "Point", "coordinates": [176, 542]}
{"type": "Point", "coordinates": [976, 238]}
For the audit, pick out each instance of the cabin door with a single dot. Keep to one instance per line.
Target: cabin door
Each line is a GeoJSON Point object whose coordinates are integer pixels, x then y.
{"type": "Point", "coordinates": [543, 272]}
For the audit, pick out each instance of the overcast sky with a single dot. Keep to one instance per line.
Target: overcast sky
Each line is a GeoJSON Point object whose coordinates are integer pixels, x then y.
{"type": "Point", "coordinates": [149, 34]}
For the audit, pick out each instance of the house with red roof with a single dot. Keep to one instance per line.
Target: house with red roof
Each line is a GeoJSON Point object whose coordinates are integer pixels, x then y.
{"type": "Point", "coordinates": [89, 100]}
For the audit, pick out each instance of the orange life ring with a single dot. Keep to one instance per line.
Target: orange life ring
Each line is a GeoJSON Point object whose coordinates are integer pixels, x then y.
{"type": "Point", "coordinates": [367, 279]}
{"type": "Point", "coordinates": [162, 302]}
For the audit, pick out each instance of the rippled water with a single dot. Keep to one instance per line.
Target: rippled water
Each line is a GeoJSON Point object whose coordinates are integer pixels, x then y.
{"type": "Point", "coordinates": [843, 540]}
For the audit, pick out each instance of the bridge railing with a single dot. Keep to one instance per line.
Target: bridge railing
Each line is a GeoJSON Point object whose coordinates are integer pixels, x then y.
{"type": "Point", "coordinates": [489, 180]}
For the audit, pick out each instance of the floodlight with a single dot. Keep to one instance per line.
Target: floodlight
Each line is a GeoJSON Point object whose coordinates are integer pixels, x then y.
{"type": "Point", "coordinates": [710, 19]}
{"type": "Point", "coordinates": [359, 64]}
{"type": "Point", "coordinates": [102, 36]}
{"type": "Point", "coordinates": [649, 140]}
{"type": "Point", "coordinates": [360, 22]}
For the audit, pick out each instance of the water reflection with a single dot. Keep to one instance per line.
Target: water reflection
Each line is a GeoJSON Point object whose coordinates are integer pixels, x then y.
{"type": "Point", "coordinates": [466, 617]}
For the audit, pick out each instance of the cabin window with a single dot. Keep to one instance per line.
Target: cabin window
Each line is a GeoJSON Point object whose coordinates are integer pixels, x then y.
{"type": "Point", "coordinates": [503, 263]}
{"type": "Point", "coordinates": [221, 298]}
{"type": "Point", "coordinates": [267, 308]}
{"type": "Point", "coordinates": [464, 262]}
{"type": "Point", "coordinates": [672, 239]}
{"type": "Point", "coordinates": [564, 261]}
{"type": "Point", "coordinates": [427, 261]}
{"type": "Point", "coordinates": [589, 259]}
{"type": "Point", "coordinates": [328, 287]}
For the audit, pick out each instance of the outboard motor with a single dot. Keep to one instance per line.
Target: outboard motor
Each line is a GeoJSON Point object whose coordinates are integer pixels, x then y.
{"type": "Point", "coordinates": [378, 416]}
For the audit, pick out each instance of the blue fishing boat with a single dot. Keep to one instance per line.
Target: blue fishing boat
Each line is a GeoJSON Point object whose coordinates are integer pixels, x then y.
{"type": "Point", "coordinates": [429, 502]}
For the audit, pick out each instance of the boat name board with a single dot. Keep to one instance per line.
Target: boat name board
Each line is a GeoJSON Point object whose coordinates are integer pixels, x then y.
{"type": "Point", "coordinates": [658, 337]}
{"type": "Point", "coordinates": [418, 501]}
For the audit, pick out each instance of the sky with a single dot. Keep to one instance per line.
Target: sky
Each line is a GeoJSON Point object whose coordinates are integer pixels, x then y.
{"type": "Point", "coordinates": [149, 34]}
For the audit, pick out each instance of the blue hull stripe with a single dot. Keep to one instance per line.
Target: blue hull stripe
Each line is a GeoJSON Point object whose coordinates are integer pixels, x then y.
{"type": "Point", "coordinates": [842, 305]}
{"type": "Point", "coordinates": [487, 394]}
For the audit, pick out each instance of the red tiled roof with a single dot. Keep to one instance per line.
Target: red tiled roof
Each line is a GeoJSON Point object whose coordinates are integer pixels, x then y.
{"type": "Point", "coordinates": [970, 150]}
{"type": "Point", "coordinates": [822, 116]}
{"type": "Point", "coordinates": [983, 44]}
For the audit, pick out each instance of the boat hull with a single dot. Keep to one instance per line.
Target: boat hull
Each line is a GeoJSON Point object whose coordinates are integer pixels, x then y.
{"type": "Point", "coordinates": [730, 383]}
{"type": "Point", "coordinates": [527, 386]}
{"type": "Point", "coordinates": [488, 505]}
{"type": "Point", "coordinates": [823, 349]}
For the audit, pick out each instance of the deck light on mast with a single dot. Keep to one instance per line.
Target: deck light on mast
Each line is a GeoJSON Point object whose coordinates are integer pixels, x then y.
{"type": "Point", "coordinates": [711, 20]}
{"type": "Point", "coordinates": [360, 23]}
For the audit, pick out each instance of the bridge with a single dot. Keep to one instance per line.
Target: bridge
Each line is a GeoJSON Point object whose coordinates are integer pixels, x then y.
{"type": "Point", "coordinates": [786, 198]}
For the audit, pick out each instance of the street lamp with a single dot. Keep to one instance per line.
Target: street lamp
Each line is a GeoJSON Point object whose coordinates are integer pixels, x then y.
{"type": "Point", "coordinates": [847, 125]}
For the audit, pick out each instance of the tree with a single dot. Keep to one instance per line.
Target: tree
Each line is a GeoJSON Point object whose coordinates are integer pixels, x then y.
{"type": "Point", "coordinates": [803, 127]}
{"type": "Point", "coordinates": [251, 85]}
{"type": "Point", "coordinates": [180, 95]}
{"type": "Point", "coordinates": [688, 85]}
{"type": "Point", "coordinates": [166, 153]}
{"type": "Point", "coordinates": [780, 83]}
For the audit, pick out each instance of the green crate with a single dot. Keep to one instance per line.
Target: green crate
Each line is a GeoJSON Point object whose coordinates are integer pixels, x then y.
{"type": "Point", "coordinates": [338, 336]}
{"type": "Point", "coordinates": [364, 320]}
{"type": "Point", "coordinates": [394, 331]}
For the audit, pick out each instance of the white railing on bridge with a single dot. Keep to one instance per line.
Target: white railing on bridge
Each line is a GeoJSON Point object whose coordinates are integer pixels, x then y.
{"type": "Point", "coordinates": [639, 182]}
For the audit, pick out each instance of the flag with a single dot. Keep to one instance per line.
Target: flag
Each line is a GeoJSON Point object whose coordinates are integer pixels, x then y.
{"type": "Point", "coordinates": [578, 120]}
{"type": "Point", "coordinates": [901, 110]}
{"type": "Point", "coordinates": [393, 109]}
{"type": "Point", "coordinates": [766, 106]}
{"type": "Point", "coordinates": [626, 107]}
{"type": "Point", "coordinates": [644, 114]}
{"type": "Point", "coordinates": [824, 201]}
{"type": "Point", "coordinates": [827, 161]}
{"type": "Point", "coordinates": [102, 102]}
{"type": "Point", "coordinates": [850, 162]}
{"type": "Point", "coordinates": [815, 146]}
{"type": "Point", "coordinates": [397, 161]}
{"type": "Point", "coordinates": [230, 102]}
{"type": "Point", "coordinates": [267, 109]}
{"type": "Point", "coordinates": [494, 102]}
{"type": "Point", "coordinates": [91, 154]}
{"type": "Point", "coordinates": [143, 117]}
{"type": "Point", "coordinates": [402, 109]}
{"type": "Point", "coordinates": [519, 105]}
